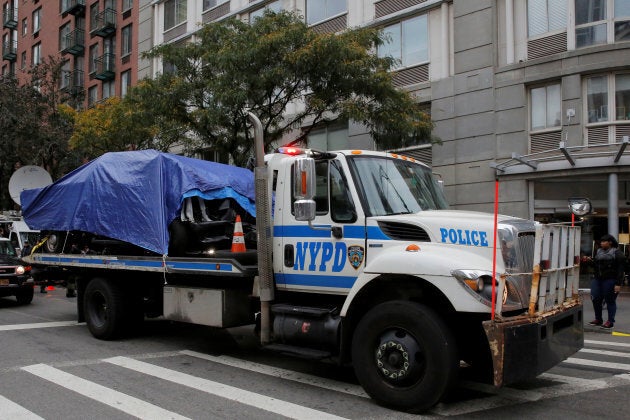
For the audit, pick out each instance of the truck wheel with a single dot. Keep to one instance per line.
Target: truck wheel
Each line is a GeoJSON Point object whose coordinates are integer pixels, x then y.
{"type": "Point", "coordinates": [54, 243]}
{"type": "Point", "coordinates": [24, 296]}
{"type": "Point", "coordinates": [103, 306]}
{"type": "Point", "coordinates": [404, 355]}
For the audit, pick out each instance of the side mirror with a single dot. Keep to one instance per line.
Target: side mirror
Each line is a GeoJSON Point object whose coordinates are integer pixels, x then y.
{"type": "Point", "coordinates": [580, 206]}
{"type": "Point", "coordinates": [304, 189]}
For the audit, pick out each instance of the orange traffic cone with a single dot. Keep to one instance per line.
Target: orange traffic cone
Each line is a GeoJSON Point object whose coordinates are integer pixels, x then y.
{"type": "Point", "coordinates": [238, 240]}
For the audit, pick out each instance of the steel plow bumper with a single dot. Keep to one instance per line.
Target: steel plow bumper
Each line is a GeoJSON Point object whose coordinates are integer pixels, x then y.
{"type": "Point", "coordinates": [524, 347]}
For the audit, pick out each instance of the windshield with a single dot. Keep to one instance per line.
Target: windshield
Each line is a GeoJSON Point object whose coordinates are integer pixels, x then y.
{"type": "Point", "coordinates": [395, 186]}
{"type": "Point", "coordinates": [6, 248]}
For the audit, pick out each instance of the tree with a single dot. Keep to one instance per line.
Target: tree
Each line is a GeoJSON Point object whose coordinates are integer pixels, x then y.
{"type": "Point", "coordinates": [34, 125]}
{"type": "Point", "coordinates": [267, 67]}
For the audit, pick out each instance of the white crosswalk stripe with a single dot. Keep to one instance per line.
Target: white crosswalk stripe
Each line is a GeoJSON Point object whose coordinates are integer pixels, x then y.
{"type": "Point", "coordinates": [118, 400]}
{"type": "Point", "coordinates": [282, 373]}
{"type": "Point", "coordinates": [263, 402]}
{"type": "Point", "coordinates": [597, 363]}
{"type": "Point", "coordinates": [12, 411]}
{"type": "Point", "coordinates": [54, 324]}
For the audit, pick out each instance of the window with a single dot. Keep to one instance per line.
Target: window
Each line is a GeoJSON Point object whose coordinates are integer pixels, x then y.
{"type": "Point", "coordinates": [594, 17]}
{"type": "Point", "coordinates": [93, 58]}
{"type": "Point", "coordinates": [274, 6]}
{"type": "Point", "coordinates": [10, 11]}
{"type": "Point", "coordinates": [64, 80]}
{"type": "Point", "coordinates": [23, 60]}
{"type": "Point", "coordinates": [546, 107]}
{"type": "Point", "coordinates": [64, 31]}
{"type": "Point", "coordinates": [93, 16]}
{"type": "Point", "coordinates": [605, 107]}
{"type": "Point", "coordinates": [109, 45]}
{"type": "Point", "coordinates": [127, 4]}
{"type": "Point", "coordinates": [590, 22]}
{"type": "Point", "coordinates": [546, 16]}
{"type": "Point", "coordinates": [110, 4]}
{"type": "Point", "coordinates": [92, 96]}
{"type": "Point", "coordinates": [320, 10]}
{"type": "Point", "coordinates": [37, 15]}
{"type": "Point", "coordinates": [174, 13]}
{"type": "Point", "coordinates": [331, 192]}
{"type": "Point", "coordinates": [24, 26]}
{"type": "Point", "coordinates": [36, 55]}
{"type": "Point", "coordinates": [209, 4]}
{"type": "Point", "coordinates": [342, 208]}
{"type": "Point", "coordinates": [108, 89]}
{"type": "Point", "coordinates": [125, 82]}
{"type": "Point", "coordinates": [622, 20]}
{"type": "Point", "coordinates": [622, 96]}
{"type": "Point", "coordinates": [329, 138]}
{"type": "Point", "coordinates": [407, 41]}
{"type": "Point", "coordinates": [597, 98]}
{"type": "Point", "coordinates": [168, 68]}
{"type": "Point", "coordinates": [126, 40]}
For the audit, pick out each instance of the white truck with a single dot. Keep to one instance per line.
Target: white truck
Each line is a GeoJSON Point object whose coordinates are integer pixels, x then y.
{"type": "Point", "coordinates": [359, 261]}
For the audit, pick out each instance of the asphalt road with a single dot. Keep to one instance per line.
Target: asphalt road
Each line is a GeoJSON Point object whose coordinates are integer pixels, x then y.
{"type": "Point", "coordinates": [52, 368]}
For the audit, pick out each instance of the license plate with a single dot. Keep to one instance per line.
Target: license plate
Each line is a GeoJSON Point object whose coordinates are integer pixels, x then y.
{"type": "Point", "coordinates": [4, 282]}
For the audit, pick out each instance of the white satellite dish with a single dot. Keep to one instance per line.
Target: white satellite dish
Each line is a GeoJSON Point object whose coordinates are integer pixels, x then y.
{"type": "Point", "coordinates": [26, 178]}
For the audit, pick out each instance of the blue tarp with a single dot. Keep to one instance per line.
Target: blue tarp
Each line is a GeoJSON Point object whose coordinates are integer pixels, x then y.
{"type": "Point", "coordinates": [133, 196]}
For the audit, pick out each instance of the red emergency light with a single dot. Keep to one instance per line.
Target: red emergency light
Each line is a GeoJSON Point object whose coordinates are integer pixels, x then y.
{"type": "Point", "coordinates": [292, 151]}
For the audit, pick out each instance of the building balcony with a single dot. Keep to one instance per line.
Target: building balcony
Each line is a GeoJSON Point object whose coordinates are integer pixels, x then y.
{"type": "Point", "coordinates": [72, 82]}
{"type": "Point", "coordinates": [10, 18]}
{"type": "Point", "coordinates": [9, 50]}
{"type": "Point", "coordinates": [73, 7]}
{"type": "Point", "coordinates": [105, 68]}
{"type": "Point", "coordinates": [73, 42]}
{"type": "Point", "coordinates": [104, 23]}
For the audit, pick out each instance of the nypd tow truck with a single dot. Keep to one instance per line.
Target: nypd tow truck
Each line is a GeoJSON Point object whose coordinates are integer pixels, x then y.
{"type": "Point", "coordinates": [359, 261]}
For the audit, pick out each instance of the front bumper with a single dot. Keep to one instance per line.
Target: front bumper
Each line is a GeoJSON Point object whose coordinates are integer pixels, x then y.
{"type": "Point", "coordinates": [524, 347]}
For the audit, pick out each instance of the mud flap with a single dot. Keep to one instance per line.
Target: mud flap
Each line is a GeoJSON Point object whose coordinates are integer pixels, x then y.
{"type": "Point", "coordinates": [524, 348]}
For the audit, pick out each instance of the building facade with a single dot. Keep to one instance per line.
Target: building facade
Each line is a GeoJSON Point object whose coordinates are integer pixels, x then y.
{"type": "Point", "coordinates": [96, 39]}
{"type": "Point", "coordinates": [532, 93]}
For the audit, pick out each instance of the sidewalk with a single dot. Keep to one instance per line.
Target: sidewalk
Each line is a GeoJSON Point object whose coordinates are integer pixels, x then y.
{"type": "Point", "coordinates": [622, 318]}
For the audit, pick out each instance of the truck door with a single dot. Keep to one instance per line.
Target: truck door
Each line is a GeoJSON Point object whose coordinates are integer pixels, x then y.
{"type": "Point", "coordinates": [328, 255]}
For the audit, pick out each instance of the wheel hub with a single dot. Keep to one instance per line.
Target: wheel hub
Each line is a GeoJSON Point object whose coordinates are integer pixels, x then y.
{"type": "Point", "coordinates": [399, 357]}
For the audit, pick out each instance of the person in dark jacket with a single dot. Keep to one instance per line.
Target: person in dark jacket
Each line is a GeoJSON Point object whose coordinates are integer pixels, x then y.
{"type": "Point", "coordinates": [609, 264]}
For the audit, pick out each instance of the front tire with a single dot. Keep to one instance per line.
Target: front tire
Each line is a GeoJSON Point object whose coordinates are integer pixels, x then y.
{"type": "Point", "coordinates": [404, 355]}
{"type": "Point", "coordinates": [24, 296]}
{"type": "Point", "coordinates": [104, 309]}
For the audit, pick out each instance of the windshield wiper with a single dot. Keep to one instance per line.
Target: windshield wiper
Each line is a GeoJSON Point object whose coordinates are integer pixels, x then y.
{"type": "Point", "coordinates": [384, 175]}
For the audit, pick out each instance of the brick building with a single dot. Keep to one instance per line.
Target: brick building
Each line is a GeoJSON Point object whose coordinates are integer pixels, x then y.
{"type": "Point", "coordinates": [97, 40]}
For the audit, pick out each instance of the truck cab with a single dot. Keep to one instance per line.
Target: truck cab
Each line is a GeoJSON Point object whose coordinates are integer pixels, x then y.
{"type": "Point", "coordinates": [383, 274]}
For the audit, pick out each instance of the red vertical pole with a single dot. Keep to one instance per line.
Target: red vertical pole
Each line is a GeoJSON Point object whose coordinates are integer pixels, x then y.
{"type": "Point", "coordinates": [494, 253]}
{"type": "Point", "coordinates": [572, 220]}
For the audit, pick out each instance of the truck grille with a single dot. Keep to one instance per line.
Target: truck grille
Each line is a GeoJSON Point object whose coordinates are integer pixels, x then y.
{"type": "Point", "coordinates": [525, 251]}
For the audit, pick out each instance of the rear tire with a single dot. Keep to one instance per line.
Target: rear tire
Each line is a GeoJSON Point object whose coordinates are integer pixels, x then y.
{"type": "Point", "coordinates": [104, 309]}
{"type": "Point", "coordinates": [24, 296]}
{"type": "Point", "coordinates": [404, 355]}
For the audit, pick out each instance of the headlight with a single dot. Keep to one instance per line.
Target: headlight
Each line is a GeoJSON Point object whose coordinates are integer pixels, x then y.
{"type": "Point", "coordinates": [474, 279]}
{"type": "Point", "coordinates": [19, 270]}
